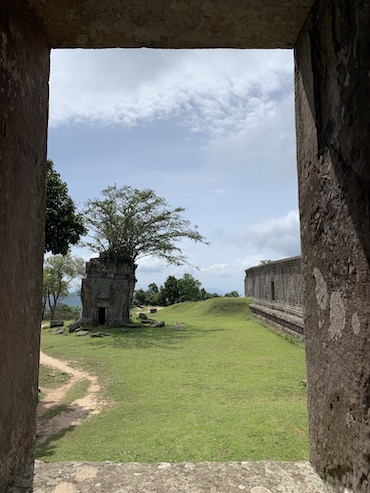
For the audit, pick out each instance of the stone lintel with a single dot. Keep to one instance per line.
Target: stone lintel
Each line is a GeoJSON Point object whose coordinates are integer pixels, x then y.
{"type": "Point", "coordinates": [172, 24]}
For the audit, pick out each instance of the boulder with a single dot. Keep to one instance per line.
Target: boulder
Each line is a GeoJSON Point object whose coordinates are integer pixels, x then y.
{"type": "Point", "coordinates": [153, 310]}
{"type": "Point", "coordinates": [142, 316]}
{"type": "Point", "coordinates": [178, 326]}
{"type": "Point", "coordinates": [74, 326]}
{"type": "Point", "coordinates": [58, 330]}
{"type": "Point", "coordinates": [158, 324]}
{"type": "Point", "coordinates": [82, 332]}
{"type": "Point", "coordinates": [56, 323]}
{"type": "Point", "coordinates": [80, 322]}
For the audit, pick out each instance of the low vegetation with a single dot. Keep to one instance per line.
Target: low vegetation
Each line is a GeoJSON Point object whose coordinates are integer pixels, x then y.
{"type": "Point", "coordinates": [50, 378]}
{"type": "Point", "coordinates": [224, 388]}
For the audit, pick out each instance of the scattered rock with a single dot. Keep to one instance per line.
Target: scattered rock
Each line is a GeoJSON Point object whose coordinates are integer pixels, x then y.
{"type": "Point", "coordinates": [153, 310]}
{"type": "Point", "coordinates": [99, 334]}
{"type": "Point", "coordinates": [129, 325]}
{"type": "Point", "coordinates": [58, 330]}
{"type": "Point", "coordinates": [80, 322]}
{"type": "Point", "coordinates": [82, 332]}
{"type": "Point", "coordinates": [178, 326]}
{"type": "Point", "coordinates": [74, 326]}
{"type": "Point", "coordinates": [142, 316]}
{"type": "Point", "coordinates": [158, 324]}
{"type": "Point", "coordinates": [56, 323]}
{"type": "Point", "coordinates": [148, 321]}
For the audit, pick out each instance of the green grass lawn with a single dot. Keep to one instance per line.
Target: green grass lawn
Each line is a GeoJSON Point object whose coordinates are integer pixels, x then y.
{"type": "Point", "coordinates": [225, 388]}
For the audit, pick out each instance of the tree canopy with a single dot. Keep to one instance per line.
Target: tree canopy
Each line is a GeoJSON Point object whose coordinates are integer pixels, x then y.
{"type": "Point", "coordinates": [173, 291]}
{"type": "Point", "coordinates": [59, 272]}
{"type": "Point", "coordinates": [128, 224]}
{"type": "Point", "coordinates": [189, 288]}
{"type": "Point", "coordinates": [64, 226]}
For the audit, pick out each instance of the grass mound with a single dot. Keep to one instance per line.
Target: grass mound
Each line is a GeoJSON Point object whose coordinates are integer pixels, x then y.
{"type": "Point", "coordinates": [214, 307]}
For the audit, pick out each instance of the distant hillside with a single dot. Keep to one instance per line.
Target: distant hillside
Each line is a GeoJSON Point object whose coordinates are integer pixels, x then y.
{"type": "Point", "coordinates": [215, 290]}
{"type": "Point", "coordinates": [73, 299]}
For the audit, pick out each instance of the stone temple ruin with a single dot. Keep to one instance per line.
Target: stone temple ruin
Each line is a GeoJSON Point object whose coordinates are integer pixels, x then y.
{"type": "Point", "coordinates": [331, 43]}
{"type": "Point", "coordinates": [106, 291]}
{"type": "Point", "coordinates": [277, 291]}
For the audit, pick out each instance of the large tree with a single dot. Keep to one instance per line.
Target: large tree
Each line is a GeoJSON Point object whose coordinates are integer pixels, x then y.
{"type": "Point", "coordinates": [189, 288]}
{"type": "Point", "coordinates": [59, 272]}
{"type": "Point", "coordinates": [128, 224]}
{"type": "Point", "coordinates": [64, 225]}
{"type": "Point", "coordinates": [169, 292]}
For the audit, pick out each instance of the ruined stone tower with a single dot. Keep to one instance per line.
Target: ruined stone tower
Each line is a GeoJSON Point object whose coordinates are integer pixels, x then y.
{"type": "Point", "coordinates": [107, 291]}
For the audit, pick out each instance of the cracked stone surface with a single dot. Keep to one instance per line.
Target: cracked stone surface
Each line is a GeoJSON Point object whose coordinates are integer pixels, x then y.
{"type": "Point", "coordinates": [206, 477]}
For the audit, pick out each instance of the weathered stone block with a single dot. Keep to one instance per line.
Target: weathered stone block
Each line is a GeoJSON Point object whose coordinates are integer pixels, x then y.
{"type": "Point", "coordinates": [24, 74]}
{"type": "Point", "coordinates": [333, 128]}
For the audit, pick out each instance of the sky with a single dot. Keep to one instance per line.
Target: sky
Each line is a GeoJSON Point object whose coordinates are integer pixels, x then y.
{"type": "Point", "coordinates": [208, 130]}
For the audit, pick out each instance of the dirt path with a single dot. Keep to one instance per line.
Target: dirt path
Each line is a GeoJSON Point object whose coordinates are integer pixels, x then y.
{"type": "Point", "coordinates": [75, 413]}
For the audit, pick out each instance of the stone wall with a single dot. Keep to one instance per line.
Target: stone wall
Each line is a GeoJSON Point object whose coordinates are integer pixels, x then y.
{"type": "Point", "coordinates": [286, 277]}
{"type": "Point", "coordinates": [107, 291]}
{"type": "Point", "coordinates": [333, 150]}
{"type": "Point", "coordinates": [24, 73]}
{"type": "Point", "coordinates": [276, 289]}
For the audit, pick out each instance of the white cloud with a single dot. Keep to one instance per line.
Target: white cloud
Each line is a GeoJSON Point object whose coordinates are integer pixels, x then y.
{"type": "Point", "coordinates": [278, 237]}
{"type": "Point", "coordinates": [216, 270]}
{"type": "Point", "coordinates": [218, 90]}
{"type": "Point", "coordinates": [151, 265]}
{"type": "Point", "coordinates": [264, 140]}
{"type": "Point", "coordinates": [234, 268]}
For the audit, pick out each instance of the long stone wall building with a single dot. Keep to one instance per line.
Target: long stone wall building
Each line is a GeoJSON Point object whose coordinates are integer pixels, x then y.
{"type": "Point", "coordinates": [276, 289]}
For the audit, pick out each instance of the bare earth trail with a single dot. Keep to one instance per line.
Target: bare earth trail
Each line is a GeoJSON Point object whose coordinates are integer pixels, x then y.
{"type": "Point", "coordinates": [79, 410]}
{"type": "Point", "coordinates": [75, 413]}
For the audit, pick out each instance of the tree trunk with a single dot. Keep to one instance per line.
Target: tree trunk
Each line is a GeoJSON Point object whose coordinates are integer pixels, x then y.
{"type": "Point", "coordinates": [52, 302]}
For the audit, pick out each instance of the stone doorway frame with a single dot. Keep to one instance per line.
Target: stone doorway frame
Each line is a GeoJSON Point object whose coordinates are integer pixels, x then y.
{"type": "Point", "coordinates": [331, 41]}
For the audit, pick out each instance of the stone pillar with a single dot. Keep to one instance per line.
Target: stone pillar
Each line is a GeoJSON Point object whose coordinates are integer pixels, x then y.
{"type": "Point", "coordinates": [332, 78]}
{"type": "Point", "coordinates": [24, 73]}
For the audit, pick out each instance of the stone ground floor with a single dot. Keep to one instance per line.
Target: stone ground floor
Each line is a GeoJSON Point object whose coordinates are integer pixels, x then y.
{"type": "Point", "coordinates": [207, 477]}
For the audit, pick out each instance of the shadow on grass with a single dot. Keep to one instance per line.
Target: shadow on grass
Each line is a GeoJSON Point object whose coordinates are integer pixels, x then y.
{"type": "Point", "coordinates": [55, 423]}
{"type": "Point", "coordinates": [48, 448]}
{"type": "Point", "coordinates": [150, 337]}
{"type": "Point", "coordinates": [48, 413]}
